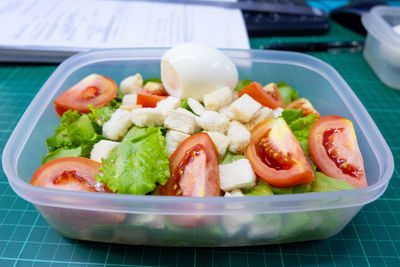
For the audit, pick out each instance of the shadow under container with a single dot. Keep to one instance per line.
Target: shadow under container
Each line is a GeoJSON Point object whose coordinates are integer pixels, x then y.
{"type": "Point", "coordinates": [184, 221]}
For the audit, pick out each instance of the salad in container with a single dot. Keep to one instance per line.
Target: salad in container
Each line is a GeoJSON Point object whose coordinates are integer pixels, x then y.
{"type": "Point", "coordinates": [197, 132]}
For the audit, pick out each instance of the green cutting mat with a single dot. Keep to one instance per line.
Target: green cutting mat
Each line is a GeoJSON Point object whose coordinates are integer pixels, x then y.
{"type": "Point", "coordinates": [371, 239]}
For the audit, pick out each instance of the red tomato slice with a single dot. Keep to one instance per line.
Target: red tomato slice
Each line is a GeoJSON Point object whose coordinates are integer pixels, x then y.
{"type": "Point", "coordinates": [96, 90]}
{"type": "Point", "coordinates": [268, 96]}
{"type": "Point", "coordinates": [276, 156]}
{"type": "Point", "coordinates": [69, 173]}
{"type": "Point", "coordinates": [194, 169]}
{"type": "Point", "coordinates": [305, 105]}
{"type": "Point", "coordinates": [148, 100]}
{"type": "Point", "coordinates": [334, 149]}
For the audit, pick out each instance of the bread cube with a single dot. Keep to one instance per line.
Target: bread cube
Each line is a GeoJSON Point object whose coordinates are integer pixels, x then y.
{"type": "Point", "coordinates": [278, 112]}
{"type": "Point", "coordinates": [239, 137]}
{"type": "Point", "coordinates": [221, 141]}
{"type": "Point", "coordinates": [262, 115]}
{"type": "Point", "coordinates": [234, 193]}
{"type": "Point", "coordinates": [227, 112]}
{"type": "Point", "coordinates": [218, 99]}
{"type": "Point", "coordinates": [181, 120]}
{"type": "Point", "coordinates": [146, 117]}
{"type": "Point", "coordinates": [132, 84]}
{"type": "Point", "coordinates": [168, 103]}
{"type": "Point", "coordinates": [196, 107]}
{"type": "Point", "coordinates": [244, 108]}
{"type": "Point", "coordinates": [118, 125]}
{"type": "Point", "coordinates": [102, 150]}
{"type": "Point", "coordinates": [213, 121]}
{"type": "Point", "coordinates": [236, 175]}
{"type": "Point", "coordinates": [129, 101]}
{"type": "Point", "coordinates": [174, 139]}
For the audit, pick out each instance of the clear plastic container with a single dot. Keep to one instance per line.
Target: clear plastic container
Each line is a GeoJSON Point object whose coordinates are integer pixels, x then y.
{"type": "Point", "coordinates": [183, 221]}
{"type": "Point", "coordinates": [382, 46]}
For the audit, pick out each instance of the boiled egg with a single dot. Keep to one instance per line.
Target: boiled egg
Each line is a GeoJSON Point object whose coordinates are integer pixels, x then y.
{"type": "Point", "coordinates": [193, 70]}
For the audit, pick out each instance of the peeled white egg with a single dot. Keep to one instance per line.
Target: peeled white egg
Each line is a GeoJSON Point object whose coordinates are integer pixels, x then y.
{"type": "Point", "coordinates": [193, 70]}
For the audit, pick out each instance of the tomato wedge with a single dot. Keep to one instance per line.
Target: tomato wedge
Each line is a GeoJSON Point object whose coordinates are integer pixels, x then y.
{"type": "Point", "coordinates": [194, 169]}
{"type": "Point", "coordinates": [148, 100]}
{"type": "Point", "coordinates": [334, 149]}
{"type": "Point", "coordinates": [305, 105]}
{"type": "Point", "coordinates": [154, 88]}
{"type": "Point", "coordinates": [276, 156]}
{"type": "Point", "coordinates": [69, 173]}
{"type": "Point", "coordinates": [96, 90]}
{"type": "Point", "coordinates": [268, 96]}
{"type": "Point", "coordinates": [76, 174]}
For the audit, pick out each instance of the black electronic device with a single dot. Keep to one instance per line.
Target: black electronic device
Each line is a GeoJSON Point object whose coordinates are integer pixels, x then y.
{"type": "Point", "coordinates": [349, 15]}
{"type": "Point", "coordinates": [278, 23]}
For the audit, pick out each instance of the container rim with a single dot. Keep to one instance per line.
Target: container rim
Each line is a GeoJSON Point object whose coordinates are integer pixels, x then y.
{"type": "Point", "coordinates": [196, 205]}
{"type": "Point", "coordinates": [378, 27]}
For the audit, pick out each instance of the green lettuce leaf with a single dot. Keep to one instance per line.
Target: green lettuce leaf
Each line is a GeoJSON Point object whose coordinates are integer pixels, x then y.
{"type": "Point", "coordinates": [301, 126]}
{"type": "Point", "coordinates": [78, 132]}
{"type": "Point", "coordinates": [242, 83]}
{"type": "Point", "coordinates": [62, 153]}
{"type": "Point", "coordinates": [261, 189]}
{"type": "Point", "coordinates": [287, 92]}
{"type": "Point", "coordinates": [230, 157]}
{"type": "Point", "coordinates": [291, 115]}
{"type": "Point", "coordinates": [325, 183]}
{"type": "Point", "coordinates": [138, 164]}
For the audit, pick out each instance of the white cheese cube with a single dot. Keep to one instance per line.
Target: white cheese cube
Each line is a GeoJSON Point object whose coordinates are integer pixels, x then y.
{"type": "Point", "coordinates": [213, 121]}
{"type": "Point", "coordinates": [239, 137]}
{"type": "Point", "coordinates": [168, 103]}
{"type": "Point", "coordinates": [146, 117]}
{"type": "Point", "coordinates": [262, 115]}
{"type": "Point", "coordinates": [196, 107]}
{"type": "Point", "coordinates": [117, 126]}
{"type": "Point", "coordinates": [173, 140]}
{"type": "Point", "coordinates": [278, 112]}
{"type": "Point", "coordinates": [102, 150]}
{"type": "Point", "coordinates": [181, 120]}
{"type": "Point", "coordinates": [236, 175]}
{"type": "Point", "coordinates": [221, 141]}
{"type": "Point", "coordinates": [217, 99]}
{"type": "Point", "coordinates": [244, 108]}
{"type": "Point", "coordinates": [132, 84]}
{"type": "Point", "coordinates": [129, 101]}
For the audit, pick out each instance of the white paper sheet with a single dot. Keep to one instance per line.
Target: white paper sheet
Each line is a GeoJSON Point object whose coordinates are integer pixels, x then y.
{"type": "Point", "coordinates": [75, 25]}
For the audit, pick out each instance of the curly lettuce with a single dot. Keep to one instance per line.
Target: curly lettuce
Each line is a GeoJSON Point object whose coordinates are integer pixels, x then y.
{"type": "Point", "coordinates": [138, 164]}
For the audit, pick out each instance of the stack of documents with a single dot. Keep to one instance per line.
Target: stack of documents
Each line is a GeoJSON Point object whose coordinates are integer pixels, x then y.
{"type": "Point", "coordinates": [48, 30]}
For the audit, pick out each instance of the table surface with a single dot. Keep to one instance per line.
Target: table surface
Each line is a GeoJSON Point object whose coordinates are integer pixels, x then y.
{"type": "Point", "coordinates": [372, 238]}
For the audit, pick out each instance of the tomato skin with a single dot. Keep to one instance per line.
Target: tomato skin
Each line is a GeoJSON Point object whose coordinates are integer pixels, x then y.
{"type": "Point", "coordinates": [200, 174]}
{"type": "Point", "coordinates": [305, 105]}
{"type": "Point", "coordinates": [96, 90]}
{"type": "Point", "coordinates": [345, 147]}
{"type": "Point", "coordinates": [288, 164]}
{"type": "Point", "coordinates": [148, 100]}
{"type": "Point", "coordinates": [77, 174]}
{"type": "Point", "coordinates": [154, 88]}
{"type": "Point", "coordinates": [84, 169]}
{"type": "Point", "coordinates": [258, 93]}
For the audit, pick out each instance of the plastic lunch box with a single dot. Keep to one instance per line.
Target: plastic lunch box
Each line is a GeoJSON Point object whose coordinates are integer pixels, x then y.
{"type": "Point", "coordinates": [382, 46]}
{"type": "Point", "coordinates": [183, 221]}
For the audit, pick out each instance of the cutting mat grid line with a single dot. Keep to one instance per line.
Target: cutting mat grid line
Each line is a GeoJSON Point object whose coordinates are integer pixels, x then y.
{"type": "Point", "coordinates": [371, 239]}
